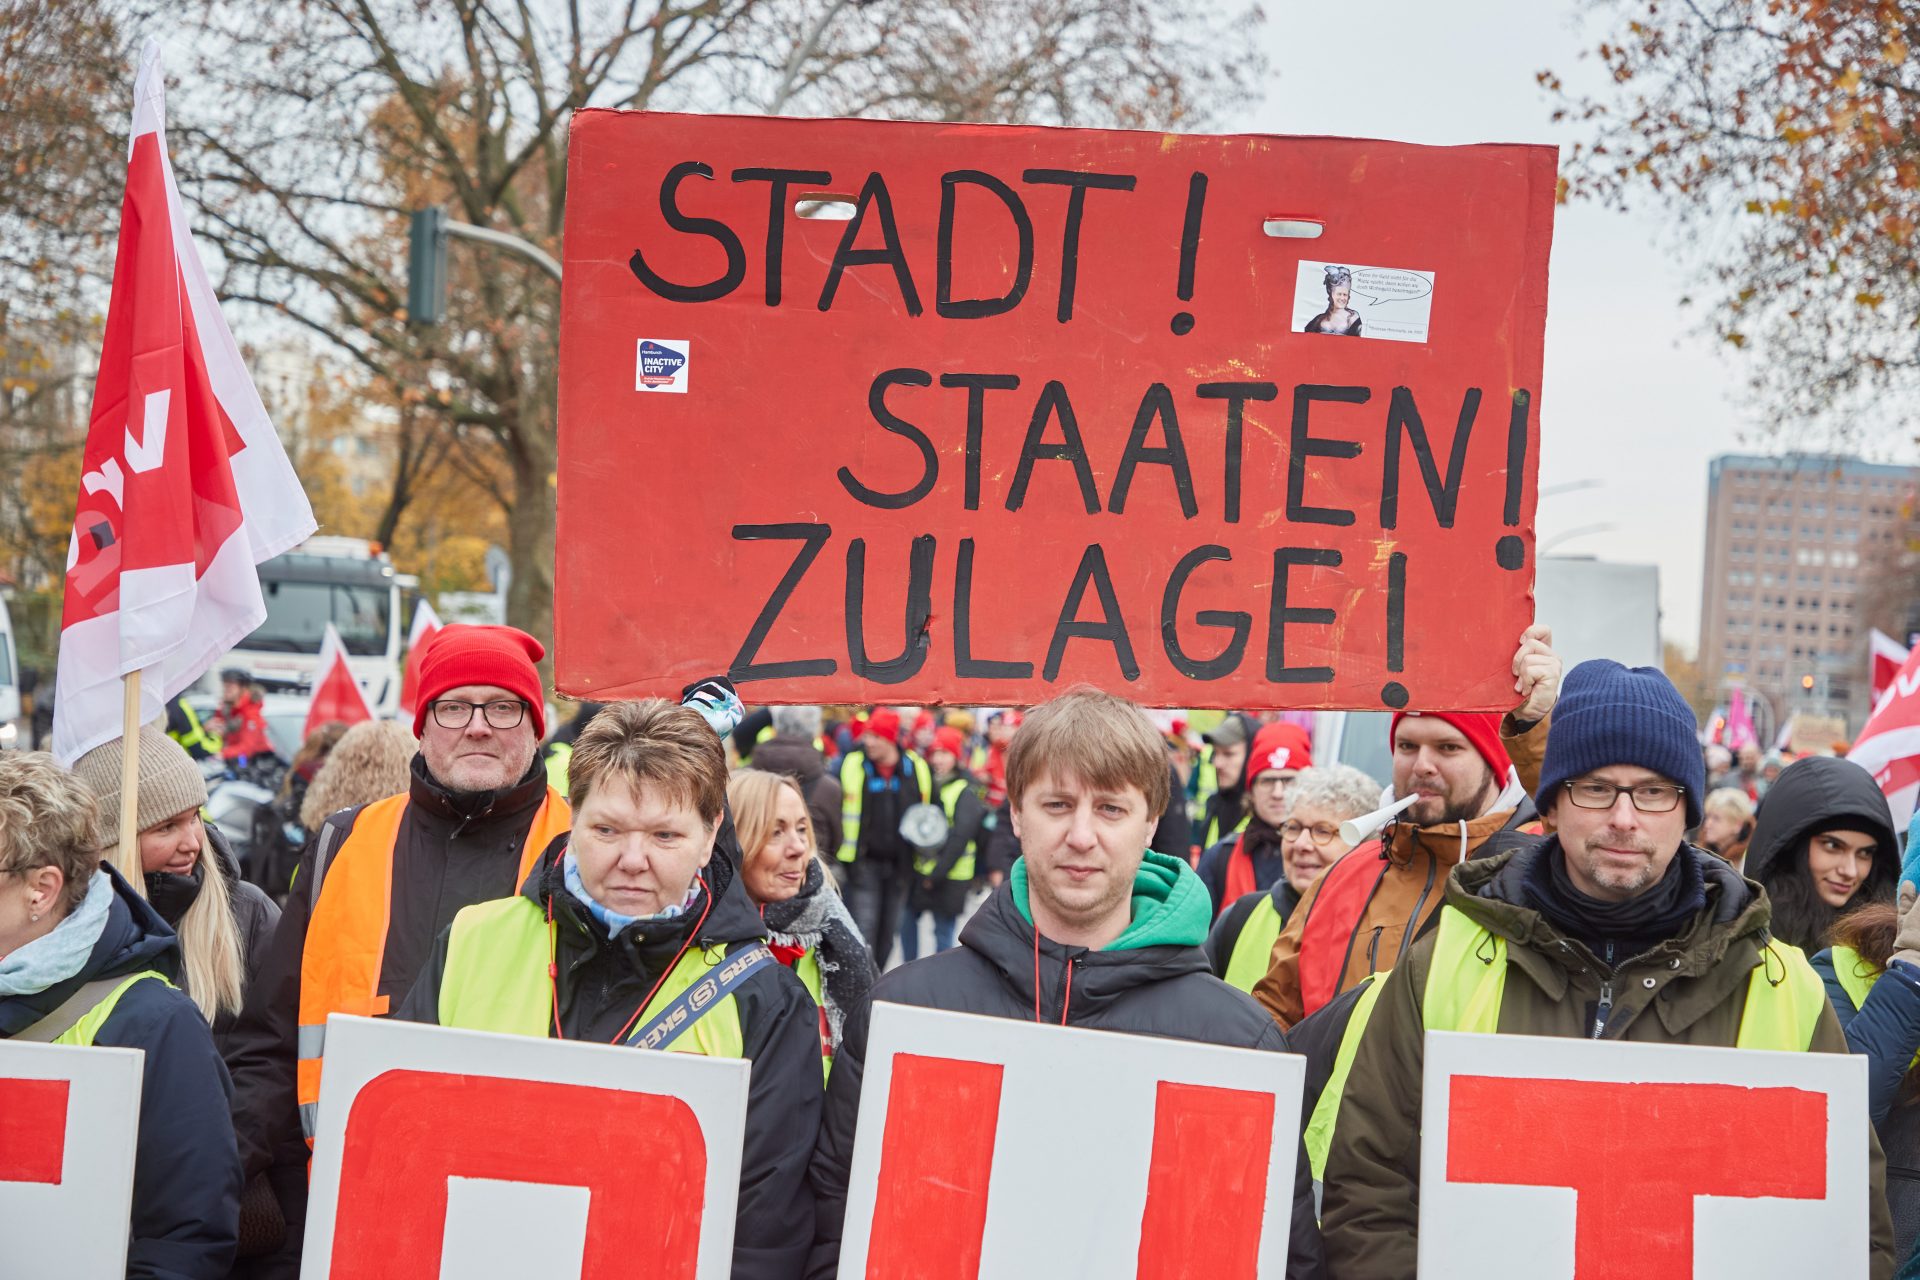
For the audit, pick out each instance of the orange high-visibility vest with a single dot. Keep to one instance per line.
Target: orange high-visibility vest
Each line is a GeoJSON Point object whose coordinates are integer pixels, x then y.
{"type": "Point", "coordinates": [347, 934]}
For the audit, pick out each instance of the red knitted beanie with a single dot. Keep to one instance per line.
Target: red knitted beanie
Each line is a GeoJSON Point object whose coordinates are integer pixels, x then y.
{"type": "Point", "coordinates": [500, 656]}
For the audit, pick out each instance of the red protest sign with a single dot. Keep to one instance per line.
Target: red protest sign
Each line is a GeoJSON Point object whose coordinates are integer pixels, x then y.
{"type": "Point", "coordinates": [988, 1147]}
{"type": "Point", "coordinates": [1608, 1159]}
{"type": "Point", "coordinates": [1049, 406]}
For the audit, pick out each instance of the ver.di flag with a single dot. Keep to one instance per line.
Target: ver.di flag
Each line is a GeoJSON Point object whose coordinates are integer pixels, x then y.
{"type": "Point", "coordinates": [426, 625]}
{"type": "Point", "coordinates": [337, 696]}
{"type": "Point", "coordinates": [1889, 746]}
{"type": "Point", "coordinates": [184, 486]}
{"type": "Point", "coordinates": [1886, 656]}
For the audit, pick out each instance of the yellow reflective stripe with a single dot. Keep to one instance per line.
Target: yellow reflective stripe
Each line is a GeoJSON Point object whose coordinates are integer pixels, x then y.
{"type": "Point", "coordinates": [1466, 979]}
{"type": "Point", "coordinates": [83, 1032]}
{"type": "Point", "coordinates": [1326, 1111]}
{"type": "Point", "coordinates": [1784, 1000]}
{"type": "Point", "coordinates": [853, 793]}
{"type": "Point", "coordinates": [1856, 975]}
{"type": "Point", "coordinates": [496, 980]}
{"type": "Point", "coordinates": [1253, 949]}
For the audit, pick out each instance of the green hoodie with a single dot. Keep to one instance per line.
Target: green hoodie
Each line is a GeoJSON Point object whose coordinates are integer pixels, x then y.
{"type": "Point", "coordinates": [1171, 905]}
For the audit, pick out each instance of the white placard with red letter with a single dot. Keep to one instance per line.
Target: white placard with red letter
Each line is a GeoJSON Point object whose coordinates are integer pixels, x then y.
{"type": "Point", "coordinates": [69, 1124]}
{"type": "Point", "coordinates": [988, 1147]}
{"type": "Point", "coordinates": [492, 1157]}
{"type": "Point", "coordinates": [1601, 1159]}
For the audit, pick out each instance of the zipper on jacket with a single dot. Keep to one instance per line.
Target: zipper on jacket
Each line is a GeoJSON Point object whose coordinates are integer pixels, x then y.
{"type": "Point", "coordinates": [1603, 1010]}
{"type": "Point", "coordinates": [1373, 948]}
{"type": "Point", "coordinates": [1406, 939]}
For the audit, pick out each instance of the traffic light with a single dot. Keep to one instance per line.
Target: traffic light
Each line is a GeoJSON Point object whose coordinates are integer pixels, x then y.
{"type": "Point", "coordinates": [427, 267]}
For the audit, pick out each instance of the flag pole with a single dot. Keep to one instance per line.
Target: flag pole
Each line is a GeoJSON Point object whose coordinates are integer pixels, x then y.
{"type": "Point", "coordinates": [126, 859]}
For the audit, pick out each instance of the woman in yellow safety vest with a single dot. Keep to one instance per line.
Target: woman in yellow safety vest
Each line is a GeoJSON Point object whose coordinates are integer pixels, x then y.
{"type": "Point", "coordinates": [84, 960]}
{"type": "Point", "coordinates": [1320, 798]}
{"type": "Point", "coordinates": [628, 930]}
{"type": "Point", "coordinates": [809, 928]}
{"type": "Point", "coordinates": [943, 875]}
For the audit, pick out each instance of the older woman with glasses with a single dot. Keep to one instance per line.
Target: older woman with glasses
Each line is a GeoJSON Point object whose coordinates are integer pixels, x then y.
{"type": "Point", "coordinates": [1318, 800]}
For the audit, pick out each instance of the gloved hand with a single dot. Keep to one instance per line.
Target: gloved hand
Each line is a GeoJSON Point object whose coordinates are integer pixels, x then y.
{"type": "Point", "coordinates": [715, 699]}
{"type": "Point", "coordinates": [1906, 943]}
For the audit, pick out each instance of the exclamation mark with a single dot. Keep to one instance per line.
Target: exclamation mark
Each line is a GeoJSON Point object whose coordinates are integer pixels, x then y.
{"type": "Point", "coordinates": [1510, 551]}
{"type": "Point", "coordinates": [1394, 694]}
{"type": "Point", "coordinates": [1190, 249]}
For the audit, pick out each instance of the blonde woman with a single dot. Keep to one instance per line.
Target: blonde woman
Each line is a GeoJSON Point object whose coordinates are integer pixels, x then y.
{"type": "Point", "coordinates": [189, 874]}
{"type": "Point", "coordinates": [371, 761]}
{"type": "Point", "coordinates": [807, 924]}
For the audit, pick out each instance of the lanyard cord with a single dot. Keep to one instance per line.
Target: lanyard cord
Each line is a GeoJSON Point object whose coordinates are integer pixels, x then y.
{"type": "Point", "coordinates": [1066, 999]}
{"type": "Point", "coordinates": [553, 966]}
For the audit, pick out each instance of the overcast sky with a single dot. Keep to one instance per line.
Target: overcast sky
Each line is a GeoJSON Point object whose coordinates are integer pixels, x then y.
{"type": "Point", "coordinates": [1634, 397]}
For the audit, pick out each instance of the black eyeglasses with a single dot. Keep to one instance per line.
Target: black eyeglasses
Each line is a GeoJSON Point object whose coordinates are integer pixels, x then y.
{"type": "Point", "coordinates": [454, 713]}
{"type": "Point", "coordinates": [1647, 797]}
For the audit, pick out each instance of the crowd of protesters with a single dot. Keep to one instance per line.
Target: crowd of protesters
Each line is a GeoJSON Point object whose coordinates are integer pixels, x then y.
{"type": "Point", "coordinates": [1082, 863]}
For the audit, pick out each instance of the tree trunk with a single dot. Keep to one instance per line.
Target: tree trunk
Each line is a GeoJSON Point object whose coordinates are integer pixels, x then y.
{"type": "Point", "coordinates": [530, 540]}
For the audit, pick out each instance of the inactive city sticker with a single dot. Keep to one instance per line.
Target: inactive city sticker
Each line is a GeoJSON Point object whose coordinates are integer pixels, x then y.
{"type": "Point", "coordinates": [661, 365]}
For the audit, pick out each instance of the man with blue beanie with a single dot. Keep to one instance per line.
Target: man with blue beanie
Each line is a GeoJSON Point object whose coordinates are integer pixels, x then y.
{"type": "Point", "coordinates": [1613, 928]}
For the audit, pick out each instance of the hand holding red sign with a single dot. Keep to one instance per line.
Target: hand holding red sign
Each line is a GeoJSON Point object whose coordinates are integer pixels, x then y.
{"type": "Point", "coordinates": [1048, 407]}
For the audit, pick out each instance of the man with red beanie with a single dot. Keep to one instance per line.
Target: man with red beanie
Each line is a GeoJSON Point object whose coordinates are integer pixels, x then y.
{"type": "Point", "coordinates": [1250, 859]}
{"type": "Point", "coordinates": [1471, 773]}
{"type": "Point", "coordinates": [379, 883]}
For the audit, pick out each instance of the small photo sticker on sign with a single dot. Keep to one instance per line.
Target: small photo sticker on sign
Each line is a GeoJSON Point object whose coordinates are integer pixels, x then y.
{"type": "Point", "coordinates": [1348, 301]}
{"type": "Point", "coordinates": [661, 365]}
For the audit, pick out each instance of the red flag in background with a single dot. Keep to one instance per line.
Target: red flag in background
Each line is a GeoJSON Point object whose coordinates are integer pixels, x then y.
{"type": "Point", "coordinates": [336, 694]}
{"type": "Point", "coordinates": [1889, 746]}
{"type": "Point", "coordinates": [426, 625]}
{"type": "Point", "coordinates": [184, 487]}
{"type": "Point", "coordinates": [1886, 656]}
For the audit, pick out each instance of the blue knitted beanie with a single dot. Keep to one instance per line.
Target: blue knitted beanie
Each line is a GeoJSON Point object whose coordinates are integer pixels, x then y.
{"type": "Point", "coordinates": [1609, 714]}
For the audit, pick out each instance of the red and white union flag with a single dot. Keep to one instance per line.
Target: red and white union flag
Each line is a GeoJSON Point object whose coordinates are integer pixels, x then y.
{"type": "Point", "coordinates": [184, 488]}
{"type": "Point", "coordinates": [337, 695]}
{"type": "Point", "coordinates": [1889, 746]}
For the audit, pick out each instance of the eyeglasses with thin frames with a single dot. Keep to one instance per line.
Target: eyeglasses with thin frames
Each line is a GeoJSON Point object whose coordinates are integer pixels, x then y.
{"type": "Point", "coordinates": [1647, 797]}
{"type": "Point", "coordinates": [1322, 833]}
{"type": "Point", "coordinates": [456, 713]}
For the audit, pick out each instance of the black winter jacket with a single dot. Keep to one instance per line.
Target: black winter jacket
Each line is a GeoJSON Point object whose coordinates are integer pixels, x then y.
{"type": "Point", "coordinates": [602, 982]}
{"type": "Point", "coordinates": [1268, 866]}
{"type": "Point", "coordinates": [186, 1172]}
{"type": "Point", "coordinates": [1156, 990]}
{"type": "Point", "coordinates": [453, 850]}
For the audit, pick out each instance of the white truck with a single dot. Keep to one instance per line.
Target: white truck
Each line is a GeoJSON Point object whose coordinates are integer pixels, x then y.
{"type": "Point", "coordinates": [349, 582]}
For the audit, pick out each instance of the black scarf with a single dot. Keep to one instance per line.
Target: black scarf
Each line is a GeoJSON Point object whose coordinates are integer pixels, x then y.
{"type": "Point", "coordinates": [1617, 931]}
{"type": "Point", "coordinates": [171, 895]}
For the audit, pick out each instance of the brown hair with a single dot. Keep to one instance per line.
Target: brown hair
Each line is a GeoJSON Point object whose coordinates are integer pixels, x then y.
{"type": "Point", "coordinates": [1102, 740]}
{"type": "Point", "coordinates": [1869, 930]}
{"type": "Point", "coordinates": [48, 818]}
{"type": "Point", "coordinates": [661, 743]}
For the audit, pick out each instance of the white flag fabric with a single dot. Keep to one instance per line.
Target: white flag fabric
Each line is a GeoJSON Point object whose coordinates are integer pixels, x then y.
{"type": "Point", "coordinates": [1889, 746]}
{"type": "Point", "coordinates": [184, 486]}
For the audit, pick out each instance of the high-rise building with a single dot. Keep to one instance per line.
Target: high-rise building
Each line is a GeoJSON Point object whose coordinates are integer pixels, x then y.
{"type": "Point", "coordinates": [1789, 540]}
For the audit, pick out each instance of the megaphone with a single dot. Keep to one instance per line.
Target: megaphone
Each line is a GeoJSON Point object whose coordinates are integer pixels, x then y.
{"type": "Point", "coordinates": [1355, 830]}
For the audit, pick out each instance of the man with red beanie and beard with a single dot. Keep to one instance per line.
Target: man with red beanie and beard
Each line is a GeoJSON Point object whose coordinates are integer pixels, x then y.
{"type": "Point", "coordinates": [1472, 773]}
{"type": "Point", "coordinates": [378, 884]}
{"type": "Point", "coordinates": [1250, 860]}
